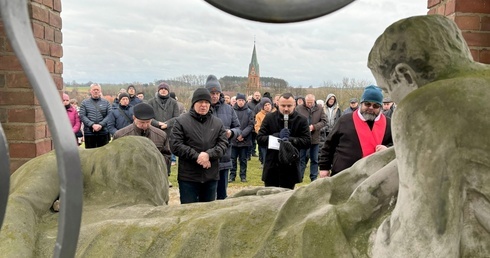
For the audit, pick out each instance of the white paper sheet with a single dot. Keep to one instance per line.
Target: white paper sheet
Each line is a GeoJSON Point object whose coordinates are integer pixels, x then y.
{"type": "Point", "coordinates": [273, 143]}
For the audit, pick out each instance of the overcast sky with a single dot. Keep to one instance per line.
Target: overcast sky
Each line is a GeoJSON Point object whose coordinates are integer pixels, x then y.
{"type": "Point", "coordinates": [143, 41]}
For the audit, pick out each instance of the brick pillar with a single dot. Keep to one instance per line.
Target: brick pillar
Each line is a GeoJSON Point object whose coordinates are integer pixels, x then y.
{"type": "Point", "coordinates": [20, 113]}
{"type": "Point", "coordinates": [473, 18]}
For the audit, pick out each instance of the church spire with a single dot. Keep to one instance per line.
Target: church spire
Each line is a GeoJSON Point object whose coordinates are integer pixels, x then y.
{"type": "Point", "coordinates": [253, 73]}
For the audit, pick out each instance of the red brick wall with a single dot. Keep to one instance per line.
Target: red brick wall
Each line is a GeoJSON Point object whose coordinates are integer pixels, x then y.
{"type": "Point", "coordinates": [20, 113]}
{"type": "Point", "coordinates": [473, 18]}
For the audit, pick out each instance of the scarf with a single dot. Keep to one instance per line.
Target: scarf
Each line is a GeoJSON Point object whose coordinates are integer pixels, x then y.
{"type": "Point", "coordinates": [369, 138]}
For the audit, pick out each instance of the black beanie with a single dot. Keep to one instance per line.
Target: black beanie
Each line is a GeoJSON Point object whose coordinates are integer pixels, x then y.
{"type": "Point", "coordinates": [143, 111]}
{"type": "Point", "coordinates": [201, 94]}
{"type": "Point", "coordinates": [122, 95]}
{"type": "Point", "coordinates": [212, 84]}
{"type": "Point", "coordinates": [241, 96]}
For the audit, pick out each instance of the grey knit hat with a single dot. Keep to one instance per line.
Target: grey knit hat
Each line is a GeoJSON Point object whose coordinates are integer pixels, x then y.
{"type": "Point", "coordinates": [212, 84]}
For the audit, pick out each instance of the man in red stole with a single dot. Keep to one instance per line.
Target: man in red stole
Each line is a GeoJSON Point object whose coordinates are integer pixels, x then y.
{"type": "Point", "coordinates": [356, 135]}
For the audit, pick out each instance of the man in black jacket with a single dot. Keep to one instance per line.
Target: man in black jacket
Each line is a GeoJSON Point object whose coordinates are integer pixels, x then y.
{"type": "Point", "coordinates": [295, 130]}
{"type": "Point", "coordinates": [199, 140]}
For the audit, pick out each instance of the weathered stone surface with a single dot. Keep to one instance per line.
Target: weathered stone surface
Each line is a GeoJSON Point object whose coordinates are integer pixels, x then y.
{"type": "Point", "coordinates": [122, 173]}
{"type": "Point", "coordinates": [316, 220]}
{"type": "Point", "coordinates": [440, 133]}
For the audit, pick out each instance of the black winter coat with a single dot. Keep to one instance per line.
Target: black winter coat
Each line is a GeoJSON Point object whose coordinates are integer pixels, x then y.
{"type": "Point", "coordinates": [192, 134]}
{"type": "Point", "coordinates": [299, 137]}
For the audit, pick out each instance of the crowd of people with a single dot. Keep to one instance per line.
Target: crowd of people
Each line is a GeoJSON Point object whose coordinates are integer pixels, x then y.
{"type": "Point", "coordinates": [212, 141]}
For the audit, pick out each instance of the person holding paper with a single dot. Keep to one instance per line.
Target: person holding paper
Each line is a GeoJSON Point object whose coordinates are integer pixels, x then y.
{"type": "Point", "coordinates": [287, 125]}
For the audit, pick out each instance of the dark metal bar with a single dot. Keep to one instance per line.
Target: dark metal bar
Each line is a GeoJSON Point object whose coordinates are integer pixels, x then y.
{"type": "Point", "coordinates": [18, 28]}
{"type": "Point", "coordinates": [279, 11]}
{"type": "Point", "coordinates": [4, 174]}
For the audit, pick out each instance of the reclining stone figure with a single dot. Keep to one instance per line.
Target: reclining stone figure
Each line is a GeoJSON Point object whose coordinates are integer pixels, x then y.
{"type": "Point", "coordinates": [431, 200]}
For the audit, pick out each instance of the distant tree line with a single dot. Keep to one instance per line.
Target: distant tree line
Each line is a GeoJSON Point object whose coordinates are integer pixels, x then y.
{"type": "Point", "coordinates": [184, 85]}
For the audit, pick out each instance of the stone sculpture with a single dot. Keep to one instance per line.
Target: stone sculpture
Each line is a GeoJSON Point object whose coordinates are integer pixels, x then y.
{"type": "Point", "coordinates": [431, 200]}
{"type": "Point", "coordinates": [441, 132]}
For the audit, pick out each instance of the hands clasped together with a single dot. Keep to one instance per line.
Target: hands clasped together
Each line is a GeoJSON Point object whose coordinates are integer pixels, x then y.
{"type": "Point", "coordinates": [203, 160]}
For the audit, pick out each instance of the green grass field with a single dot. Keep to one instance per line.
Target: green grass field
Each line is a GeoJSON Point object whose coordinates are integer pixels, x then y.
{"type": "Point", "coordinates": [254, 175]}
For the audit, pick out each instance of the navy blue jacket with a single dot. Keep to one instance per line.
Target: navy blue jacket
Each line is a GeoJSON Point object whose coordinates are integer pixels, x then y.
{"type": "Point", "coordinates": [247, 121]}
{"type": "Point", "coordinates": [120, 117]}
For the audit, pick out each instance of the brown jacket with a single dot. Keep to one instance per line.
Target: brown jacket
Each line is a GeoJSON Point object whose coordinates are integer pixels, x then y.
{"type": "Point", "coordinates": [316, 117]}
{"type": "Point", "coordinates": [157, 136]}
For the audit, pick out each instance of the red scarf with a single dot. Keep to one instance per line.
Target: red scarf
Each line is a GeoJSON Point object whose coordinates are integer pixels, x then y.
{"type": "Point", "coordinates": [369, 138]}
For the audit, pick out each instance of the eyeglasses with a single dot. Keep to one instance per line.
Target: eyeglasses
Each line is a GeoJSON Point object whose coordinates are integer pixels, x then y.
{"type": "Point", "coordinates": [369, 104]}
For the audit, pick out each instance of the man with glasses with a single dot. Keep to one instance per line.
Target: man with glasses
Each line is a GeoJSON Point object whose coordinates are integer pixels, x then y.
{"type": "Point", "coordinates": [356, 135]}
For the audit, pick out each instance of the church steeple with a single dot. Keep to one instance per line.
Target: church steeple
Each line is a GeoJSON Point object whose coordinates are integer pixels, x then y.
{"type": "Point", "coordinates": [253, 73]}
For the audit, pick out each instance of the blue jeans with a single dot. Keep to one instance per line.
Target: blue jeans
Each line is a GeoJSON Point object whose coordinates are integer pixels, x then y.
{"type": "Point", "coordinates": [222, 184]}
{"type": "Point", "coordinates": [262, 152]}
{"type": "Point", "coordinates": [312, 154]}
{"type": "Point", "coordinates": [197, 192]}
{"type": "Point", "coordinates": [240, 153]}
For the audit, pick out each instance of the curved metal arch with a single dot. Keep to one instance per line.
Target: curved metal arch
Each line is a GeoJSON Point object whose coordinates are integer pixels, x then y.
{"type": "Point", "coordinates": [4, 174]}
{"type": "Point", "coordinates": [279, 11]}
{"type": "Point", "coordinates": [19, 33]}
